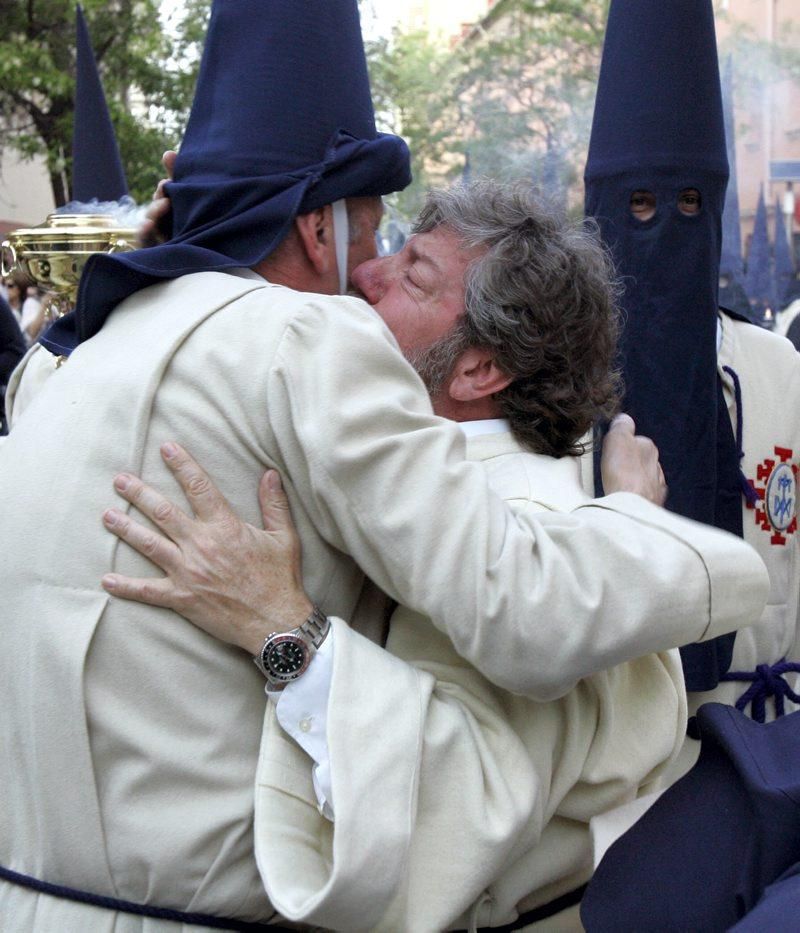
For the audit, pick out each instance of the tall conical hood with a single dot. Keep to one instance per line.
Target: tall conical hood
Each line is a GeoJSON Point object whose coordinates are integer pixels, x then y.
{"type": "Point", "coordinates": [784, 264]}
{"type": "Point", "coordinates": [96, 164]}
{"type": "Point", "coordinates": [283, 109]}
{"type": "Point", "coordinates": [731, 261]}
{"type": "Point", "coordinates": [731, 265]}
{"type": "Point", "coordinates": [655, 183]}
{"type": "Point", "coordinates": [658, 99]}
{"type": "Point", "coordinates": [759, 281]}
{"type": "Point", "coordinates": [282, 123]}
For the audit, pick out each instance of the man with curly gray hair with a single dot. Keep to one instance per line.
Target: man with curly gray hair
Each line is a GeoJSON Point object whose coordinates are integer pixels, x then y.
{"type": "Point", "coordinates": [541, 297]}
{"type": "Point", "coordinates": [478, 814]}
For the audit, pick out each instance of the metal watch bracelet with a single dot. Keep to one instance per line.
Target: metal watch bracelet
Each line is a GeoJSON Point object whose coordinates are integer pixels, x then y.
{"type": "Point", "coordinates": [316, 627]}
{"type": "Point", "coordinates": [285, 656]}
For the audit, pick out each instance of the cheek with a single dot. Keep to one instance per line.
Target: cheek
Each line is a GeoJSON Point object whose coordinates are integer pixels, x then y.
{"type": "Point", "coordinates": [401, 321]}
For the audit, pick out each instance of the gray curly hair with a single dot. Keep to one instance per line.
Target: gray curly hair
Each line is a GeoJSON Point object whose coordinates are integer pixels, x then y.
{"type": "Point", "coordinates": [543, 299]}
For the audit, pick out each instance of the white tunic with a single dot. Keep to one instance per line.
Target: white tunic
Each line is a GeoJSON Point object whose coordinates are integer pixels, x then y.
{"type": "Point", "coordinates": [130, 738]}
{"type": "Point", "coordinates": [476, 806]}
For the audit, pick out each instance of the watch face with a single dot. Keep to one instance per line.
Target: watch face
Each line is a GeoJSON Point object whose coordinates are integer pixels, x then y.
{"type": "Point", "coordinates": [286, 657]}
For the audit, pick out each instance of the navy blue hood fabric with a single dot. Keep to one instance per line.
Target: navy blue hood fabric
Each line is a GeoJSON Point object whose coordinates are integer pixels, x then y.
{"type": "Point", "coordinates": [282, 123]}
{"type": "Point", "coordinates": [704, 853]}
{"type": "Point", "coordinates": [759, 282]}
{"type": "Point", "coordinates": [784, 263]}
{"type": "Point", "coordinates": [778, 909]}
{"type": "Point", "coordinates": [97, 171]}
{"type": "Point", "coordinates": [12, 345]}
{"type": "Point", "coordinates": [731, 262]}
{"type": "Point", "coordinates": [658, 127]}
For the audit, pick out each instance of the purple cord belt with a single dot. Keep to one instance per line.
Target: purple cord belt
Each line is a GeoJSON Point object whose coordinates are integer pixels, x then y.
{"type": "Point", "coordinates": [220, 923]}
{"type": "Point", "coordinates": [141, 910]}
{"type": "Point", "coordinates": [765, 681]}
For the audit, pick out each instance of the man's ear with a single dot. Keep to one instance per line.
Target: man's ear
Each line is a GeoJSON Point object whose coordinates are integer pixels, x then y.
{"type": "Point", "coordinates": [475, 376]}
{"type": "Point", "coordinates": [315, 230]}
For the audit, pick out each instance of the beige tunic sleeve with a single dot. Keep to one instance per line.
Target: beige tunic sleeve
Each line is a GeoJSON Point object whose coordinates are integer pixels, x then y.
{"type": "Point", "coordinates": [534, 603]}
{"type": "Point", "coordinates": [432, 790]}
{"type": "Point", "coordinates": [457, 801]}
{"type": "Point", "coordinates": [443, 785]}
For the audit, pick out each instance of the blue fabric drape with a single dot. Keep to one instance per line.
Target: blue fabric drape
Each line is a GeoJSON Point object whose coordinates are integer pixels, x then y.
{"type": "Point", "coordinates": [281, 124]}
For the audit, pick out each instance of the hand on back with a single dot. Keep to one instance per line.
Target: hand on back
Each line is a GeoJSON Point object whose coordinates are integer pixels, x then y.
{"type": "Point", "coordinates": [629, 462]}
{"type": "Point", "coordinates": [236, 582]}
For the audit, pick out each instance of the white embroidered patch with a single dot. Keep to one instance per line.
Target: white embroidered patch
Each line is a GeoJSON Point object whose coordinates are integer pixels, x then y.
{"type": "Point", "coordinates": [780, 497]}
{"type": "Point", "coordinates": [774, 505]}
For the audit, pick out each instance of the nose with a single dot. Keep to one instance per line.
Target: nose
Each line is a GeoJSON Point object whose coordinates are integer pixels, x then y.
{"type": "Point", "coordinates": [371, 277]}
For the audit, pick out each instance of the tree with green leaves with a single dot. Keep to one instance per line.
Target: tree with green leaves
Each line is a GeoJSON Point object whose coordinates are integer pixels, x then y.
{"type": "Point", "coordinates": [148, 75]}
{"type": "Point", "coordinates": [516, 93]}
{"type": "Point", "coordinates": [526, 85]}
{"type": "Point", "coordinates": [409, 76]}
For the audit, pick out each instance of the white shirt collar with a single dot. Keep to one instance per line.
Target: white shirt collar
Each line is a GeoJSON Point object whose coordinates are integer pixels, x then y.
{"type": "Point", "coordinates": [245, 273]}
{"type": "Point", "coordinates": [488, 426]}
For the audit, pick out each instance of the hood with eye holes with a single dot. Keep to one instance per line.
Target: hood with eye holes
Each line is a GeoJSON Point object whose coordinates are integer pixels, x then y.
{"type": "Point", "coordinates": [658, 127]}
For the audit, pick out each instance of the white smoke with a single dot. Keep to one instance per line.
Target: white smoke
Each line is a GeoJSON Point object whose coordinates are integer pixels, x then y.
{"type": "Point", "coordinates": [126, 212]}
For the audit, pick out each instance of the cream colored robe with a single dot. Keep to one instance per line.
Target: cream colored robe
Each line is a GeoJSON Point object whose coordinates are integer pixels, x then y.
{"type": "Point", "coordinates": [476, 796]}
{"type": "Point", "coordinates": [768, 368]}
{"type": "Point", "coordinates": [129, 739]}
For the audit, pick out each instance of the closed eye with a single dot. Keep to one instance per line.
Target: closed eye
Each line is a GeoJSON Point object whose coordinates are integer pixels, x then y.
{"type": "Point", "coordinates": [417, 286]}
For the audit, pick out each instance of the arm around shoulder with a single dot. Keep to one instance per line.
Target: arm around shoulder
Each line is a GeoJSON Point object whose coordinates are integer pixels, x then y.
{"type": "Point", "coordinates": [738, 582]}
{"type": "Point", "coordinates": [534, 602]}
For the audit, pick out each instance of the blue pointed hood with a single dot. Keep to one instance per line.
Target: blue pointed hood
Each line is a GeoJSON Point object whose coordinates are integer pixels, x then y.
{"type": "Point", "coordinates": [282, 123]}
{"type": "Point", "coordinates": [658, 127]}
{"type": "Point", "coordinates": [658, 98]}
{"type": "Point", "coordinates": [731, 266]}
{"type": "Point", "coordinates": [784, 264]}
{"type": "Point", "coordinates": [731, 262]}
{"type": "Point", "coordinates": [658, 139]}
{"type": "Point", "coordinates": [97, 171]}
{"type": "Point", "coordinates": [758, 281]}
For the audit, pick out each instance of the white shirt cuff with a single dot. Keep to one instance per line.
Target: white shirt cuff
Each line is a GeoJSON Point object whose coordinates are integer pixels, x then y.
{"type": "Point", "coordinates": [302, 711]}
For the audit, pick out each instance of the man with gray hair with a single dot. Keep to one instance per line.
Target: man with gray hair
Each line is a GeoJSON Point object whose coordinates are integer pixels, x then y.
{"type": "Point", "coordinates": [540, 299]}
{"type": "Point", "coordinates": [474, 810]}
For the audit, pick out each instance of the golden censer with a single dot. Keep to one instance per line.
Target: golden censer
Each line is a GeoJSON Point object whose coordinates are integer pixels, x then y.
{"type": "Point", "coordinates": [54, 253]}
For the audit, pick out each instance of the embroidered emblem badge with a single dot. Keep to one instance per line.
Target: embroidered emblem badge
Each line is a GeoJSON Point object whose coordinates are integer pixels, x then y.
{"type": "Point", "coordinates": [776, 487]}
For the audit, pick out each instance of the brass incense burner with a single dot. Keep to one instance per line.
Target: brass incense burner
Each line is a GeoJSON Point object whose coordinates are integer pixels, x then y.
{"type": "Point", "coordinates": [54, 253]}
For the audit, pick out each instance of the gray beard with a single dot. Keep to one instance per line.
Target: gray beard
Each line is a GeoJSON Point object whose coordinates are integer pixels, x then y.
{"type": "Point", "coordinates": [435, 363]}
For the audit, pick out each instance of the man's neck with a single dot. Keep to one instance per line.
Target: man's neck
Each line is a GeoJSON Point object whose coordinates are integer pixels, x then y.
{"type": "Point", "coordinates": [288, 266]}
{"type": "Point", "coordinates": [481, 409]}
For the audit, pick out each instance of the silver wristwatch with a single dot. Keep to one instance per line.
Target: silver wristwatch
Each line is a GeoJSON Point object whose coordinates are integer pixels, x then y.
{"type": "Point", "coordinates": [286, 655]}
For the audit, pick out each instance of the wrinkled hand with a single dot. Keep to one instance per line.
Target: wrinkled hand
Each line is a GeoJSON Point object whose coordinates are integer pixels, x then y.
{"type": "Point", "coordinates": [235, 581]}
{"type": "Point", "coordinates": [157, 225]}
{"type": "Point", "coordinates": [629, 463]}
